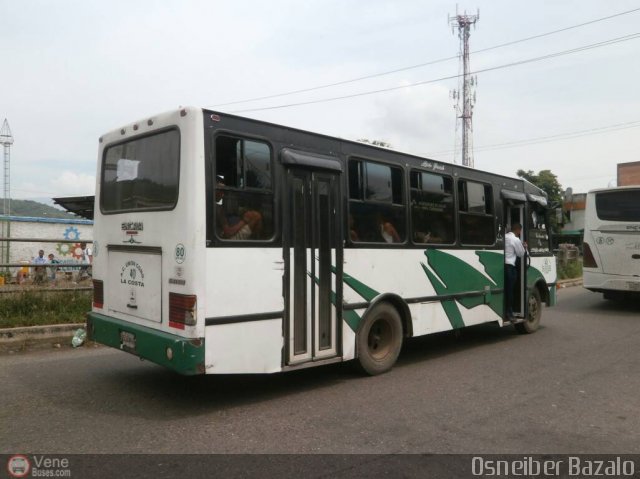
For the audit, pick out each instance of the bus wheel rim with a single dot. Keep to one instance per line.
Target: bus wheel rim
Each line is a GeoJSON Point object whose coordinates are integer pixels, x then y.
{"type": "Point", "coordinates": [380, 338]}
{"type": "Point", "coordinates": [533, 308]}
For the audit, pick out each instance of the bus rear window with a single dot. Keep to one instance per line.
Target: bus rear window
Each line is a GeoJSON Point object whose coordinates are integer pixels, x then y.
{"type": "Point", "coordinates": [141, 174]}
{"type": "Point", "coordinates": [618, 205]}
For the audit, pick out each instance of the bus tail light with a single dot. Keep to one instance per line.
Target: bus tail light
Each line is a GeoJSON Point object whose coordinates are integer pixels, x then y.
{"type": "Point", "coordinates": [98, 294]}
{"type": "Point", "coordinates": [588, 261]}
{"type": "Point", "coordinates": [182, 310]}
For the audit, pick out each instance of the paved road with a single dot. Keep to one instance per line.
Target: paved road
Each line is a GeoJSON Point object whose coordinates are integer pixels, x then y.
{"type": "Point", "coordinates": [571, 387]}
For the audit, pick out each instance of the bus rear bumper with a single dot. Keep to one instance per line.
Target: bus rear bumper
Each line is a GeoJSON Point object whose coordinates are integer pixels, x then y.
{"type": "Point", "coordinates": [600, 282]}
{"type": "Point", "coordinates": [185, 356]}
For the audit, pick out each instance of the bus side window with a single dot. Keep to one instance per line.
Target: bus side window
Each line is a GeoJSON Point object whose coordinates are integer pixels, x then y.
{"type": "Point", "coordinates": [432, 208]}
{"type": "Point", "coordinates": [476, 216]}
{"type": "Point", "coordinates": [244, 209]}
{"type": "Point", "coordinates": [376, 203]}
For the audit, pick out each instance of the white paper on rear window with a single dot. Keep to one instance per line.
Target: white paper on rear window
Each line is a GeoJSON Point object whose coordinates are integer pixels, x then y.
{"type": "Point", "coordinates": [127, 170]}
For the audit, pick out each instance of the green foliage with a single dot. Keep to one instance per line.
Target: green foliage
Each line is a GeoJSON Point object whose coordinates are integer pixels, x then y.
{"type": "Point", "coordinates": [546, 181]}
{"type": "Point", "coordinates": [38, 210]}
{"type": "Point", "coordinates": [570, 270]}
{"type": "Point", "coordinates": [34, 308]}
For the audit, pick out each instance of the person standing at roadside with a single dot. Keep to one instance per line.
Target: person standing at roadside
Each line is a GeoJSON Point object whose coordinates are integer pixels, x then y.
{"type": "Point", "coordinates": [53, 270]}
{"type": "Point", "coordinates": [40, 271]}
{"type": "Point", "coordinates": [87, 258]}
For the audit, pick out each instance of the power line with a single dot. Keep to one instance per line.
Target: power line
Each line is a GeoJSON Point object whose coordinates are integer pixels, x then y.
{"type": "Point", "coordinates": [449, 77]}
{"type": "Point", "coordinates": [421, 65]}
{"type": "Point", "coordinates": [549, 138]}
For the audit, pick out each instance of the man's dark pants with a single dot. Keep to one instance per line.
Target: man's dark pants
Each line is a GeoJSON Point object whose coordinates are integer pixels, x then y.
{"type": "Point", "coordinates": [511, 274]}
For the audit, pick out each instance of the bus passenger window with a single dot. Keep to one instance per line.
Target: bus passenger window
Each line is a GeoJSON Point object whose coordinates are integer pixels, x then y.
{"type": "Point", "coordinates": [477, 222]}
{"type": "Point", "coordinates": [243, 190]}
{"type": "Point", "coordinates": [432, 208]}
{"type": "Point", "coordinates": [376, 203]}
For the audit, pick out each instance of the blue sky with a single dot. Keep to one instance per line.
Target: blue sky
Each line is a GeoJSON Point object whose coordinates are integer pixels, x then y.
{"type": "Point", "coordinates": [73, 70]}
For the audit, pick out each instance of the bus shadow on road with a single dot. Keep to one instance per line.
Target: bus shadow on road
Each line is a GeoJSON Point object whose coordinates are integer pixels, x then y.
{"type": "Point", "coordinates": [437, 345]}
{"type": "Point", "coordinates": [149, 391]}
{"type": "Point", "coordinates": [628, 305]}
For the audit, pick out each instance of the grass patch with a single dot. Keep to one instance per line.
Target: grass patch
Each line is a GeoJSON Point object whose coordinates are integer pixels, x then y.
{"type": "Point", "coordinates": [570, 270]}
{"type": "Point", "coordinates": [30, 308]}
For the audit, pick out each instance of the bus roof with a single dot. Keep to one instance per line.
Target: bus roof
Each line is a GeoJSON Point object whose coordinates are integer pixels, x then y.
{"type": "Point", "coordinates": [118, 133]}
{"type": "Point", "coordinates": [614, 188]}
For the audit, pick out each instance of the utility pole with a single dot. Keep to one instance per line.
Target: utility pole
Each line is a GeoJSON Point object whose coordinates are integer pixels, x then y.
{"type": "Point", "coordinates": [6, 140]}
{"type": "Point", "coordinates": [463, 23]}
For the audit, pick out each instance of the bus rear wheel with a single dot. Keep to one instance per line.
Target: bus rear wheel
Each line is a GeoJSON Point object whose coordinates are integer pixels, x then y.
{"type": "Point", "coordinates": [379, 340]}
{"type": "Point", "coordinates": [532, 321]}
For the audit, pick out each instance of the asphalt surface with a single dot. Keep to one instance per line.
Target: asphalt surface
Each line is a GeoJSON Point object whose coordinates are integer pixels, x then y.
{"type": "Point", "coordinates": [572, 387]}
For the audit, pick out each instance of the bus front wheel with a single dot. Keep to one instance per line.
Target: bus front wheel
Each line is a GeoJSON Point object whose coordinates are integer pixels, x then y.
{"type": "Point", "coordinates": [379, 340]}
{"type": "Point", "coordinates": [532, 321]}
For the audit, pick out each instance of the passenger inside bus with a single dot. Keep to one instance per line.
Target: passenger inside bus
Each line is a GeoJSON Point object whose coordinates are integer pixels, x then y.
{"type": "Point", "coordinates": [353, 234]}
{"type": "Point", "coordinates": [243, 225]}
{"type": "Point", "coordinates": [387, 230]}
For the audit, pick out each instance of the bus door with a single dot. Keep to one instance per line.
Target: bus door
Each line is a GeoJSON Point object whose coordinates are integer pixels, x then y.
{"type": "Point", "coordinates": [313, 255]}
{"type": "Point", "coordinates": [515, 213]}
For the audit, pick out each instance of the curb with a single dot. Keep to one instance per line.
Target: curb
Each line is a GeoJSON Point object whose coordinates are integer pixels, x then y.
{"type": "Point", "coordinates": [37, 337]}
{"type": "Point", "coordinates": [567, 283]}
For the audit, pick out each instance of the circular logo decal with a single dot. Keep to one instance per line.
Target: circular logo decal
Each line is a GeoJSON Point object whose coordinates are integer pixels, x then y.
{"type": "Point", "coordinates": [610, 240]}
{"type": "Point", "coordinates": [18, 466]}
{"type": "Point", "coordinates": [180, 253]}
{"type": "Point", "coordinates": [96, 248]}
{"type": "Point", "coordinates": [600, 240]}
{"type": "Point", "coordinates": [131, 274]}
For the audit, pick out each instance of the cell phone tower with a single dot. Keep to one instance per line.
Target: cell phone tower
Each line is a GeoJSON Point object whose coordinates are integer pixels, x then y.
{"type": "Point", "coordinates": [6, 139]}
{"type": "Point", "coordinates": [466, 91]}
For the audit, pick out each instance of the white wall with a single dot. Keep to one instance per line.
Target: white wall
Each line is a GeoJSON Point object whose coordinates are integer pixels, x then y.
{"type": "Point", "coordinates": [577, 221]}
{"type": "Point", "coordinates": [76, 230]}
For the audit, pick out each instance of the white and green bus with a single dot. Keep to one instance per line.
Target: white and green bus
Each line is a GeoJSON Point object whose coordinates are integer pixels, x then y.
{"type": "Point", "coordinates": [230, 245]}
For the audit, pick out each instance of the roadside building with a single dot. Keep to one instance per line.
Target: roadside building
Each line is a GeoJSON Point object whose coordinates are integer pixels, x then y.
{"type": "Point", "coordinates": [629, 174]}
{"type": "Point", "coordinates": [573, 209]}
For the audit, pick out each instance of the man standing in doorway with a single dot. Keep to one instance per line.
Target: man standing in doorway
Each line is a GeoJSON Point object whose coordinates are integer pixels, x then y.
{"type": "Point", "coordinates": [513, 249]}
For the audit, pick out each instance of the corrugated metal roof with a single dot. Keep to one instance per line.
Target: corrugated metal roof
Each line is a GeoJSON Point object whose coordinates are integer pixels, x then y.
{"type": "Point", "coordinates": [78, 205]}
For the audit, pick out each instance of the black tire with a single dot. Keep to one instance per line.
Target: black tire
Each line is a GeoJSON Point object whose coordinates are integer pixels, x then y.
{"type": "Point", "coordinates": [379, 339]}
{"type": "Point", "coordinates": [532, 321]}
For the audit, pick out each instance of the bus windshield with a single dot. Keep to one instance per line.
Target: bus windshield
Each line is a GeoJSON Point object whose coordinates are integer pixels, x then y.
{"type": "Point", "coordinates": [141, 174]}
{"type": "Point", "coordinates": [618, 205]}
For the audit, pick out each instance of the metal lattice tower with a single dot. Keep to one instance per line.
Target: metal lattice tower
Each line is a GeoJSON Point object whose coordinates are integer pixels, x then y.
{"type": "Point", "coordinates": [6, 140]}
{"type": "Point", "coordinates": [467, 96]}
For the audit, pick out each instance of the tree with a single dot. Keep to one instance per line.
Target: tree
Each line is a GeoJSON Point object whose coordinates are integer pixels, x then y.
{"type": "Point", "coordinates": [546, 181]}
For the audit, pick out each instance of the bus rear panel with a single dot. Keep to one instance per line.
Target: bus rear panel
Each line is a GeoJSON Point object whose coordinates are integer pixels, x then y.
{"type": "Point", "coordinates": [612, 242]}
{"type": "Point", "coordinates": [149, 242]}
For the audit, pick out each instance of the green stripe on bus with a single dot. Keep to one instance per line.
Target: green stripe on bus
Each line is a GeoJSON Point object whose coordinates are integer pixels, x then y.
{"type": "Point", "coordinates": [362, 289]}
{"type": "Point", "coordinates": [349, 316]}
{"type": "Point", "coordinates": [450, 307]}
{"type": "Point", "coordinates": [455, 276]}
